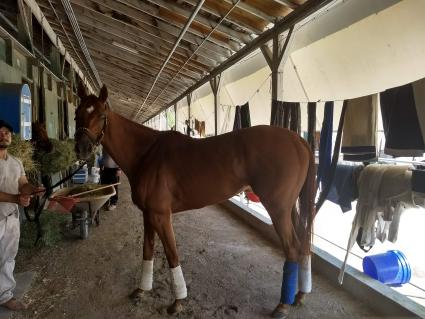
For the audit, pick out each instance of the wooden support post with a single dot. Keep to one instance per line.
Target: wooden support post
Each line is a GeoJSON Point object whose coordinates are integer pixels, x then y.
{"type": "Point", "coordinates": [215, 83]}
{"type": "Point", "coordinates": [175, 117]}
{"type": "Point", "coordinates": [189, 102]}
{"type": "Point", "coordinates": [274, 59]}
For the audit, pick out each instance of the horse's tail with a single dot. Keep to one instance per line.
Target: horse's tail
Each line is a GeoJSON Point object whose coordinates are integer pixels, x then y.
{"type": "Point", "coordinates": [307, 207]}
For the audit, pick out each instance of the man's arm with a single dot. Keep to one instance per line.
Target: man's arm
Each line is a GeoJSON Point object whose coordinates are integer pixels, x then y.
{"type": "Point", "coordinates": [20, 199]}
{"type": "Point", "coordinates": [9, 198]}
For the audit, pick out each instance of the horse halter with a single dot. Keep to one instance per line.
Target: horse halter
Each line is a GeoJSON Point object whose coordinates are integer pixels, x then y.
{"type": "Point", "coordinates": [95, 141]}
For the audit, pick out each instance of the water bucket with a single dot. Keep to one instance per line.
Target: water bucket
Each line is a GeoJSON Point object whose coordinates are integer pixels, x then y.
{"type": "Point", "coordinates": [391, 268]}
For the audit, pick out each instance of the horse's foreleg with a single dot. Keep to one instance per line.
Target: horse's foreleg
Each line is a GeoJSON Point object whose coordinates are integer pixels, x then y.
{"type": "Point", "coordinates": [147, 263]}
{"type": "Point", "coordinates": [164, 229]}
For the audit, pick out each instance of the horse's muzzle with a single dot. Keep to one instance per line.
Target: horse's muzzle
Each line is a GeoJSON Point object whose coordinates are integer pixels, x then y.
{"type": "Point", "coordinates": [83, 146]}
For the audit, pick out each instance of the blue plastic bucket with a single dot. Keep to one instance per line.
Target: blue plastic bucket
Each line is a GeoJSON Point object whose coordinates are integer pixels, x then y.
{"type": "Point", "coordinates": [391, 268]}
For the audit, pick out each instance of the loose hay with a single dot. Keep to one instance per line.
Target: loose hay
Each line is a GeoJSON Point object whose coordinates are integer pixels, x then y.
{"type": "Point", "coordinates": [53, 225]}
{"type": "Point", "coordinates": [60, 158]}
{"type": "Point", "coordinates": [24, 151]}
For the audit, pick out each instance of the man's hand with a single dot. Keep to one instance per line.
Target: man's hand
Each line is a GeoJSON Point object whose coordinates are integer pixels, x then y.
{"type": "Point", "coordinates": [38, 190]}
{"type": "Point", "coordinates": [23, 199]}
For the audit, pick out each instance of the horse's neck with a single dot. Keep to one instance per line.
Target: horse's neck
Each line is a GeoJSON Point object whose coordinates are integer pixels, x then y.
{"type": "Point", "coordinates": [126, 141]}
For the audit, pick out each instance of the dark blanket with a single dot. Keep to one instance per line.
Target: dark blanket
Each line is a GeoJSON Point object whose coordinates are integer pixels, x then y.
{"type": "Point", "coordinates": [344, 186]}
{"type": "Point", "coordinates": [242, 117]}
{"type": "Point", "coordinates": [325, 147]}
{"type": "Point", "coordinates": [401, 125]}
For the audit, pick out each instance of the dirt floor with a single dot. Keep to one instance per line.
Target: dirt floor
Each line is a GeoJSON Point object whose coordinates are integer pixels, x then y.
{"type": "Point", "coordinates": [230, 272]}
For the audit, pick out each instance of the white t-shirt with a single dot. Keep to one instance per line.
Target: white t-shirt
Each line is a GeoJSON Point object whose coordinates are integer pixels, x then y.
{"type": "Point", "coordinates": [11, 169]}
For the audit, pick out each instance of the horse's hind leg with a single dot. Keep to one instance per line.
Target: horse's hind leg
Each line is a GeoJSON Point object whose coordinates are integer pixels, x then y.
{"type": "Point", "coordinates": [304, 280]}
{"type": "Point", "coordinates": [147, 263]}
{"type": "Point", "coordinates": [282, 221]}
{"type": "Point", "coordinates": [164, 229]}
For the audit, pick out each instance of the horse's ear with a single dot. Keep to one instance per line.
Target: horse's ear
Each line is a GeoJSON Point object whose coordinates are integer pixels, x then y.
{"type": "Point", "coordinates": [81, 90]}
{"type": "Point", "coordinates": [103, 95]}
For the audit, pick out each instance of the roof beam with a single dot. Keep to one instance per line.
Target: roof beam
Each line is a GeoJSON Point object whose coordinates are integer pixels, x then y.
{"type": "Point", "coordinates": [128, 88]}
{"type": "Point", "coordinates": [99, 20]}
{"type": "Point", "coordinates": [288, 3]}
{"type": "Point", "coordinates": [137, 13]}
{"type": "Point", "coordinates": [236, 35]}
{"type": "Point", "coordinates": [133, 77]}
{"type": "Point", "coordinates": [248, 28]}
{"type": "Point", "coordinates": [290, 20]}
{"type": "Point", "coordinates": [144, 50]}
{"type": "Point", "coordinates": [133, 41]}
{"type": "Point", "coordinates": [136, 58]}
{"type": "Point", "coordinates": [132, 61]}
{"type": "Point", "coordinates": [115, 65]}
{"type": "Point", "coordinates": [254, 11]}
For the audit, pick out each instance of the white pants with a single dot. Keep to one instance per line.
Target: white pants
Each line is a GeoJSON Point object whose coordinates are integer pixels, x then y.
{"type": "Point", "coordinates": [9, 242]}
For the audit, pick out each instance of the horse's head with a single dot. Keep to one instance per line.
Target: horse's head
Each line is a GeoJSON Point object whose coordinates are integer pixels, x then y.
{"type": "Point", "coordinates": [90, 121]}
{"type": "Point", "coordinates": [40, 139]}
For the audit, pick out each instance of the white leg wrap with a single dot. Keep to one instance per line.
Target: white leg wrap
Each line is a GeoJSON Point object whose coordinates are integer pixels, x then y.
{"type": "Point", "coordinates": [147, 275]}
{"type": "Point", "coordinates": [304, 275]}
{"type": "Point", "coordinates": [179, 284]}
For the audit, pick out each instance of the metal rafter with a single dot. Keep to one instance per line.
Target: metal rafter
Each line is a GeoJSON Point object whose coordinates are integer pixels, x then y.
{"type": "Point", "coordinates": [241, 37]}
{"type": "Point", "coordinates": [144, 15]}
{"type": "Point", "coordinates": [235, 4]}
{"type": "Point", "coordinates": [252, 10]}
{"type": "Point", "coordinates": [290, 20]}
{"type": "Point", "coordinates": [182, 33]}
{"type": "Point", "coordinates": [241, 24]}
{"type": "Point", "coordinates": [151, 34]}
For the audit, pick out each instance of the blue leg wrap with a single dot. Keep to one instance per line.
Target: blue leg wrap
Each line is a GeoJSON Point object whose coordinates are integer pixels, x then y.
{"type": "Point", "coordinates": [289, 282]}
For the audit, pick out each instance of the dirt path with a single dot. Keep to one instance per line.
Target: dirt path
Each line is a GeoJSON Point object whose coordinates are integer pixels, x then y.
{"type": "Point", "coordinates": [230, 272]}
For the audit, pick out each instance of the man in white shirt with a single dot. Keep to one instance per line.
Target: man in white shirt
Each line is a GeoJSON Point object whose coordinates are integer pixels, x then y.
{"type": "Point", "coordinates": [14, 190]}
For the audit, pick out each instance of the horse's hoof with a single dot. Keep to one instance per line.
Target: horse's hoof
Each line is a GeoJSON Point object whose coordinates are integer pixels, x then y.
{"type": "Point", "coordinates": [176, 307]}
{"type": "Point", "coordinates": [136, 295]}
{"type": "Point", "coordinates": [299, 299]}
{"type": "Point", "coordinates": [280, 312]}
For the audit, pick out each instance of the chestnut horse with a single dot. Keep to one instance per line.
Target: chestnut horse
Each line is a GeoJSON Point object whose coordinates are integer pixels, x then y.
{"type": "Point", "coordinates": [170, 172]}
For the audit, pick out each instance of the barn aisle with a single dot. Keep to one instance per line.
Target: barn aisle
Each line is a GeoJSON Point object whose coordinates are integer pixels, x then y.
{"type": "Point", "coordinates": [229, 270]}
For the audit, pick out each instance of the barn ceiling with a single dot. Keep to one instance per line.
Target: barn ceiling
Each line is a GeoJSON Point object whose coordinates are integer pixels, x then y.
{"type": "Point", "coordinates": [139, 49]}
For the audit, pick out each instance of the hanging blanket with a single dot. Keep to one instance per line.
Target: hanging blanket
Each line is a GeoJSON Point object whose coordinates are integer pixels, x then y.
{"type": "Point", "coordinates": [384, 193]}
{"type": "Point", "coordinates": [359, 133]}
{"type": "Point", "coordinates": [325, 146]}
{"type": "Point", "coordinates": [344, 186]}
{"type": "Point", "coordinates": [402, 126]}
